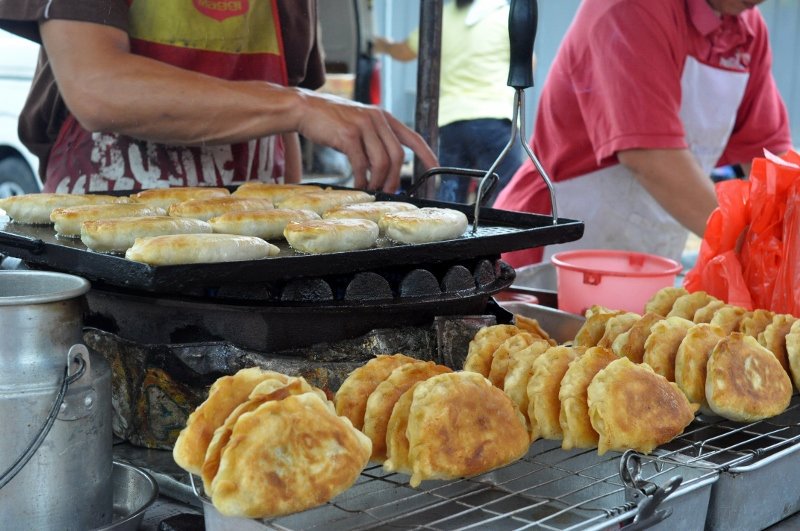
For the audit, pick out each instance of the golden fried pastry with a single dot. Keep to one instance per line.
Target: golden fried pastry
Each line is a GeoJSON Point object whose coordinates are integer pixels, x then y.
{"type": "Point", "coordinates": [592, 330]}
{"type": "Point", "coordinates": [371, 211]}
{"type": "Point", "coordinates": [687, 305]}
{"type": "Point", "coordinates": [663, 300]}
{"type": "Point", "coordinates": [269, 389]}
{"type": "Point", "coordinates": [597, 309]}
{"type": "Point", "coordinates": [662, 344]}
{"type": "Point", "coordinates": [500, 357]}
{"type": "Point", "coordinates": [223, 397]}
{"type": "Point", "coordinates": [317, 236]}
{"type": "Point", "coordinates": [631, 343]}
{"type": "Point", "coordinates": [544, 407]}
{"type": "Point", "coordinates": [275, 192]}
{"type": "Point", "coordinates": [793, 351]}
{"type": "Point", "coordinates": [728, 318]}
{"type": "Point", "coordinates": [746, 382]}
{"type": "Point", "coordinates": [205, 209]}
{"type": "Point", "coordinates": [520, 369]}
{"type": "Point", "coordinates": [706, 313]}
{"type": "Point", "coordinates": [773, 338]}
{"type": "Point", "coordinates": [632, 407]}
{"type": "Point", "coordinates": [351, 398]}
{"type": "Point", "coordinates": [692, 359]}
{"type": "Point", "coordinates": [117, 235]}
{"type": "Point", "coordinates": [35, 209]}
{"type": "Point", "coordinates": [532, 326]}
{"type": "Point", "coordinates": [382, 400]}
{"type": "Point", "coordinates": [323, 200]}
{"type": "Point", "coordinates": [619, 324]}
{"type": "Point", "coordinates": [483, 345]}
{"type": "Point", "coordinates": [424, 225]}
{"type": "Point", "coordinates": [460, 425]}
{"type": "Point", "coordinates": [574, 415]}
{"type": "Point", "coordinates": [67, 220]}
{"type": "Point", "coordinates": [175, 249]}
{"type": "Point", "coordinates": [265, 224]}
{"type": "Point", "coordinates": [165, 197]}
{"type": "Point", "coordinates": [396, 439]}
{"type": "Point", "coordinates": [287, 456]}
{"type": "Point", "coordinates": [755, 322]}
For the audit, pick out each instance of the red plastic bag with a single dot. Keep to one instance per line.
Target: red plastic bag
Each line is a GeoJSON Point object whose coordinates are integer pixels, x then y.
{"type": "Point", "coordinates": [750, 254]}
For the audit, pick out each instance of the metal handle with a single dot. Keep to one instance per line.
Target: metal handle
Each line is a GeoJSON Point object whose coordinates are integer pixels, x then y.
{"type": "Point", "coordinates": [458, 172]}
{"type": "Point", "coordinates": [79, 354]}
{"type": "Point", "coordinates": [523, 18]}
{"type": "Point", "coordinates": [647, 495]}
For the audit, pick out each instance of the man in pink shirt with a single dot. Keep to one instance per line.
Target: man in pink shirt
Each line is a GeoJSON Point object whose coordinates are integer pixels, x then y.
{"type": "Point", "coordinates": [643, 100]}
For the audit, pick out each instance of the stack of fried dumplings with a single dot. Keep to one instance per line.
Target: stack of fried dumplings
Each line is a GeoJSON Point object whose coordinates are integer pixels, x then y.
{"type": "Point", "coordinates": [267, 445]}
{"type": "Point", "coordinates": [430, 422]}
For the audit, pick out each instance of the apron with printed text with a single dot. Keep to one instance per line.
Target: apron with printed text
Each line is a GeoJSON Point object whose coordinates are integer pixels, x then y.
{"type": "Point", "coordinates": [623, 214]}
{"type": "Point", "coordinates": [232, 39]}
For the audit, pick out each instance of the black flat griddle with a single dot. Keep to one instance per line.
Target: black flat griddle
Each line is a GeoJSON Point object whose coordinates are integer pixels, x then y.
{"type": "Point", "coordinates": [499, 231]}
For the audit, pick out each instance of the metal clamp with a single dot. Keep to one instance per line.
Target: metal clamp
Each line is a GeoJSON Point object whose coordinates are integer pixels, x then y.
{"type": "Point", "coordinates": [78, 354]}
{"type": "Point", "coordinates": [645, 494]}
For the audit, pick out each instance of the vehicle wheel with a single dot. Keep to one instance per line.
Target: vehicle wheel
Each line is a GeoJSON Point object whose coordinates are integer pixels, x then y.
{"type": "Point", "coordinates": [16, 177]}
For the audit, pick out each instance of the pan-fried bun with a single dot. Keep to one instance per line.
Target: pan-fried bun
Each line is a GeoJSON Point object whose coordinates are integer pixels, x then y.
{"type": "Point", "coordinates": [500, 357]}
{"type": "Point", "coordinates": [755, 322]}
{"type": "Point", "coordinates": [574, 414]}
{"type": "Point", "coordinates": [483, 345]}
{"type": "Point", "coordinates": [692, 359]}
{"type": "Point", "coordinates": [544, 407]}
{"type": "Point", "coordinates": [351, 398]}
{"type": "Point", "coordinates": [275, 192]}
{"type": "Point", "coordinates": [707, 312]}
{"type": "Point", "coordinates": [773, 338]}
{"type": "Point", "coordinates": [663, 300]}
{"type": "Point", "coordinates": [164, 197]}
{"type": "Point", "coordinates": [205, 209]}
{"type": "Point", "coordinates": [324, 200]}
{"type": "Point", "coordinates": [371, 211]}
{"type": "Point", "coordinates": [67, 220]}
{"type": "Point", "coordinates": [520, 370]}
{"type": "Point", "coordinates": [745, 381]}
{"type": "Point", "coordinates": [174, 249]}
{"type": "Point", "coordinates": [618, 324]}
{"type": "Point", "coordinates": [729, 318]}
{"type": "Point", "coordinates": [793, 351]}
{"type": "Point", "coordinates": [382, 400]}
{"type": "Point", "coordinates": [265, 224]}
{"type": "Point", "coordinates": [119, 234]}
{"type": "Point", "coordinates": [592, 330]}
{"type": "Point", "coordinates": [532, 326]}
{"type": "Point", "coordinates": [396, 439]}
{"type": "Point", "coordinates": [223, 397]}
{"type": "Point", "coordinates": [424, 225]}
{"type": "Point", "coordinates": [460, 425]}
{"type": "Point", "coordinates": [686, 305]}
{"type": "Point", "coordinates": [319, 236]}
{"type": "Point", "coordinates": [632, 407]}
{"type": "Point", "coordinates": [287, 456]}
{"type": "Point", "coordinates": [35, 209]}
{"type": "Point", "coordinates": [662, 344]}
{"type": "Point", "coordinates": [631, 343]}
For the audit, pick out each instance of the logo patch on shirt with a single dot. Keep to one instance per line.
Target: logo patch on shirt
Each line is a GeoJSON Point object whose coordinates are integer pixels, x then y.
{"type": "Point", "coordinates": [222, 9]}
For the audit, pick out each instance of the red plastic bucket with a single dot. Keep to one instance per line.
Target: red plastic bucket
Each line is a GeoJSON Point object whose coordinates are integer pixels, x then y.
{"type": "Point", "coordinates": [620, 280]}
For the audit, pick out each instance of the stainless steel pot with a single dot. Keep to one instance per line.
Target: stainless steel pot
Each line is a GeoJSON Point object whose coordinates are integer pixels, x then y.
{"type": "Point", "coordinates": [55, 408]}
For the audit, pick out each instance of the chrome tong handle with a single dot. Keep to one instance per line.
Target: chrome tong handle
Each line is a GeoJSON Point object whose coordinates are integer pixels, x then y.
{"type": "Point", "coordinates": [523, 20]}
{"type": "Point", "coordinates": [645, 494]}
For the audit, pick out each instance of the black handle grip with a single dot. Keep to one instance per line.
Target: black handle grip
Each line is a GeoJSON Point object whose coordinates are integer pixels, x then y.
{"type": "Point", "coordinates": [523, 19]}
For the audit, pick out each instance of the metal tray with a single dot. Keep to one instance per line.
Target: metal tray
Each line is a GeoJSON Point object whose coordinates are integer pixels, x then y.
{"type": "Point", "coordinates": [499, 231]}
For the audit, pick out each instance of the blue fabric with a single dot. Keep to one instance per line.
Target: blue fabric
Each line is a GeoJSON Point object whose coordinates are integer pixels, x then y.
{"type": "Point", "coordinates": [475, 144]}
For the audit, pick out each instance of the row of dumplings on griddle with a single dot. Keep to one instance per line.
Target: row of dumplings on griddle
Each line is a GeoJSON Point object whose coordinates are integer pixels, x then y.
{"type": "Point", "coordinates": [311, 219]}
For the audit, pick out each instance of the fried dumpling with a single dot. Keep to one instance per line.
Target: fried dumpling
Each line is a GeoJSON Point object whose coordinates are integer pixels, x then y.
{"type": "Point", "coordinates": [619, 324]}
{"type": "Point", "coordinates": [483, 345]}
{"type": "Point", "coordinates": [532, 326]}
{"type": "Point", "coordinates": [573, 394]}
{"type": "Point", "coordinates": [691, 361]}
{"type": "Point", "coordinates": [746, 382]}
{"type": "Point", "coordinates": [287, 456]}
{"type": "Point", "coordinates": [663, 300]}
{"type": "Point", "coordinates": [520, 369]}
{"type": "Point", "coordinates": [662, 344]}
{"type": "Point", "coordinates": [382, 400]}
{"type": "Point", "coordinates": [793, 351]}
{"type": "Point", "coordinates": [632, 407]}
{"type": "Point", "coordinates": [706, 313]}
{"type": "Point", "coordinates": [773, 338]}
{"type": "Point", "coordinates": [631, 343]}
{"type": "Point", "coordinates": [460, 425]}
{"type": "Point", "coordinates": [592, 330]}
{"type": "Point", "coordinates": [396, 438]}
{"type": "Point", "coordinates": [755, 322]}
{"type": "Point", "coordinates": [275, 192]}
{"type": "Point", "coordinates": [351, 398]}
{"type": "Point", "coordinates": [728, 318]}
{"type": "Point", "coordinates": [687, 305]}
{"type": "Point", "coordinates": [500, 357]}
{"type": "Point", "coordinates": [223, 397]}
{"type": "Point", "coordinates": [544, 407]}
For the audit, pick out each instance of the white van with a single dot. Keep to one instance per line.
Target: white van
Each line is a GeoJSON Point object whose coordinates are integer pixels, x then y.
{"type": "Point", "coordinates": [18, 166]}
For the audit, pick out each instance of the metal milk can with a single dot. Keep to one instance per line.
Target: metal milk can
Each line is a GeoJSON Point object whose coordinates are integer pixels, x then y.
{"type": "Point", "coordinates": [55, 408]}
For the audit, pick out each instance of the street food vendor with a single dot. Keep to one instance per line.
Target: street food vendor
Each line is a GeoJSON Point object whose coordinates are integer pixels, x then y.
{"type": "Point", "coordinates": [136, 94]}
{"type": "Point", "coordinates": [642, 101]}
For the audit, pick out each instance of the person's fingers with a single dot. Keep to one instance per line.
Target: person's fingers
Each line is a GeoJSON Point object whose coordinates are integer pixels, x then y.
{"type": "Point", "coordinates": [394, 152]}
{"type": "Point", "coordinates": [413, 140]}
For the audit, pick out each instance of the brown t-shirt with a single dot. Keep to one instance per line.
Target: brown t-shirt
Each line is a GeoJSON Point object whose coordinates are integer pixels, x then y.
{"type": "Point", "coordinates": [44, 112]}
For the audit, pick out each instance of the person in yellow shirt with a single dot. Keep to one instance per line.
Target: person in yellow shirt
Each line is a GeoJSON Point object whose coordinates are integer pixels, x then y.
{"type": "Point", "coordinates": [475, 104]}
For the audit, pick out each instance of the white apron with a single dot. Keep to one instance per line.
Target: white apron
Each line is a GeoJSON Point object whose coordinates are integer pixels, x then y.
{"type": "Point", "coordinates": [618, 212]}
